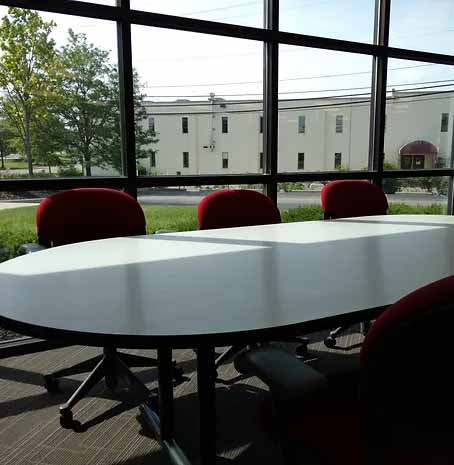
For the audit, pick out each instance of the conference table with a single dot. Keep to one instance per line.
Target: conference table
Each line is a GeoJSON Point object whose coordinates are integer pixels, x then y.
{"type": "Point", "coordinates": [206, 289]}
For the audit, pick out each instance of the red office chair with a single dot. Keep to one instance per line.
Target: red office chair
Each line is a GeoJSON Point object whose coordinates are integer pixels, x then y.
{"type": "Point", "coordinates": [347, 199]}
{"type": "Point", "coordinates": [403, 411]}
{"type": "Point", "coordinates": [230, 208]}
{"type": "Point", "coordinates": [80, 215]}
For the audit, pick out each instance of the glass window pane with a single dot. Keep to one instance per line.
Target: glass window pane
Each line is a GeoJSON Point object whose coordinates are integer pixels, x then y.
{"type": "Point", "coordinates": [244, 13]}
{"type": "Point", "coordinates": [324, 110]}
{"type": "Point", "coordinates": [422, 25]}
{"type": "Point", "coordinates": [426, 195]}
{"type": "Point", "coordinates": [61, 119]}
{"type": "Point", "coordinates": [206, 104]}
{"type": "Point", "coordinates": [175, 208]}
{"type": "Point", "coordinates": [347, 20]}
{"type": "Point", "coordinates": [419, 115]}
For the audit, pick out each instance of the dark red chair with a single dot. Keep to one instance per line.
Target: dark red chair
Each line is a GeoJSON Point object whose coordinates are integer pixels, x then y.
{"type": "Point", "coordinates": [351, 198]}
{"type": "Point", "coordinates": [403, 411]}
{"type": "Point", "coordinates": [348, 199]}
{"type": "Point", "coordinates": [231, 208]}
{"type": "Point", "coordinates": [87, 214]}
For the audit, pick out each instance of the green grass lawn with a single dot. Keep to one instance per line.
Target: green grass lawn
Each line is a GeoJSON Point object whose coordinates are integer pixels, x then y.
{"type": "Point", "coordinates": [16, 164]}
{"type": "Point", "coordinates": [17, 225]}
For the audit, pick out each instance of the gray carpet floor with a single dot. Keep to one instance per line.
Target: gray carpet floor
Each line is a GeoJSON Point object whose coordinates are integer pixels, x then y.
{"type": "Point", "coordinates": [113, 434]}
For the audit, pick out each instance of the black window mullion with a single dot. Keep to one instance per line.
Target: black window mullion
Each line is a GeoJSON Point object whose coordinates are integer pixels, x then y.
{"type": "Point", "coordinates": [378, 94]}
{"type": "Point", "coordinates": [451, 179]}
{"type": "Point", "coordinates": [271, 95]}
{"type": "Point", "coordinates": [126, 77]}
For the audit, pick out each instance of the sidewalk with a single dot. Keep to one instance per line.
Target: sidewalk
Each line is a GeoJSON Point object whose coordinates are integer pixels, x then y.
{"type": "Point", "coordinates": [7, 205]}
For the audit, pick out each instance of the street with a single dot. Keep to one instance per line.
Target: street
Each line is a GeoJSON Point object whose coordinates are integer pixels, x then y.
{"type": "Point", "coordinates": [285, 199]}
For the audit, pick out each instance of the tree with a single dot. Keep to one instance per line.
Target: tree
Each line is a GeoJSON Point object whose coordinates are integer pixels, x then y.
{"type": "Point", "coordinates": [144, 136]}
{"type": "Point", "coordinates": [86, 101]}
{"type": "Point", "coordinates": [6, 141]}
{"type": "Point", "coordinates": [28, 71]}
{"type": "Point", "coordinates": [48, 138]}
{"type": "Point", "coordinates": [90, 106]}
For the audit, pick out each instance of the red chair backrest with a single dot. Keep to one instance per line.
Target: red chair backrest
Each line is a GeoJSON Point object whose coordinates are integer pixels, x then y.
{"type": "Point", "coordinates": [351, 198]}
{"type": "Point", "coordinates": [230, 208]}
{"type": "Point", "coordinates": [86, 214]}
{"type": "Point", "coordinates": [406, 361]}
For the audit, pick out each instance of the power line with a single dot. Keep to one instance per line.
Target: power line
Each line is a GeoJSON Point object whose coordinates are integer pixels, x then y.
{"type": "Point", "coordinates": [301, 91]}
{"type": "Point", "coordinates": [300, 78]}
{"type": "Point", "coordinates": [307, 107]}
{"type": "Point", "coordinates": [250, 102]}
{"type": "Point", "coordinates": [238, 5]}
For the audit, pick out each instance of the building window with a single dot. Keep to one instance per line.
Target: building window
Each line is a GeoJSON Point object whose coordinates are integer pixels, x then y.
{"type": "Point", "coordinates": [301, 161]}
{"type": "Point", "coordinates": [339, 123]}
{"type": "Point", "coordinates": [444, 122]}
{"type": "Point", "coordinates": [225, 159]}
{"type": "Point", "coordinates": [185, 159]}
{"type": "Point", "coordinates": [261, 125]}
{"type": "Point", "coordinates": [261, 161]}
{"type": "Point", "coordinates": [225, 125]}
{"type": "Point", "coordinates": [153, 160]}
{"type": "Point", "coordinates": [151, 125]}
{"type": "Point", "coordinates": [337, 160]}
{"type": "Point", "coordinates": [301, 124]}
{"type": "Point", "coordinates": [184, 124]}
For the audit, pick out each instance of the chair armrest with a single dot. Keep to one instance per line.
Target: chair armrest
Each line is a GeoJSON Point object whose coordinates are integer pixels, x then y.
{"type": "Point", "coordinates": [165, 231]}
{"type": "Point", "coordinates": [288, 378]}
{"type": "Point", "coordinates": [31, 248]}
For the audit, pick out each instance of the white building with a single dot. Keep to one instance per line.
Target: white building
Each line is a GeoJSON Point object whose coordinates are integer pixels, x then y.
{"type": "Point", "coordinates": [219, 136]}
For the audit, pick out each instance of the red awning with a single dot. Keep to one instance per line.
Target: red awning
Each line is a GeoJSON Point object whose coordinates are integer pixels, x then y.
{"type": "Point", "coordinates": [418, 147]}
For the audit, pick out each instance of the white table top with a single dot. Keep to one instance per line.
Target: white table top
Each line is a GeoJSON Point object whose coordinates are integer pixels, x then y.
{"type": "Point", "coordinates": [186, 287]}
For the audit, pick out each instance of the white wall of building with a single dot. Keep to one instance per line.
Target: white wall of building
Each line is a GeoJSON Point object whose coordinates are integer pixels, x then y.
{"type": "Point", "coordinates": [409, 118]}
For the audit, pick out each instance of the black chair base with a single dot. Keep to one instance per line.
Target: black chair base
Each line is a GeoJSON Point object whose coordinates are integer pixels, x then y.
{"type": "Point", "coordinates": [112, 366]}
{"type": "Point", "coordinates": [301, 351]}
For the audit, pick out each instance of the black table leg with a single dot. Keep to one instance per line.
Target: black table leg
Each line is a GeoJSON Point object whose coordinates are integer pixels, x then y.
{"type": "Point", "coordinates": [206, 381]}
{"type": "Point", "coordinates": [165, 367]}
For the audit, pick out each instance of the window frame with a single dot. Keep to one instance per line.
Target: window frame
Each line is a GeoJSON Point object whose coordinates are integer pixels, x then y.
{"type": "Point", "coordinates": [444, 124]}
{"type": "Point", "coordinates": [301, 124]}
{"type": "Point", "coordinates": [271, 37]}
{"type": "Point", "coordinates": [185, 160]}
{"type": "Point", "coordinates": [224, 124]}
{"type": "Point", "coordinates": [339, 124]}
{"type": "Point", "coordinates": [185, 125]}
{"type": "Point", "coordinates": [225, 160]}
{"type": "Point", "coordinates": [300, 160]}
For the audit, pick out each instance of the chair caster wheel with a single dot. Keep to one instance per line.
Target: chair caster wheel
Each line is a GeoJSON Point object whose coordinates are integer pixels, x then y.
{"type": "Point", "coordinates": [66, 419]}
{"type": "Point", "coordinates": [330, 342]}
{"type": "Point", "coordinates": [51, 384]}
{"type": "Point", "coordinates": [301, 351]}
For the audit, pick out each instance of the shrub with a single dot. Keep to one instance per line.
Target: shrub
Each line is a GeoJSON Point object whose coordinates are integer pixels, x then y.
{"type": "Point", "coordinates": [141, 170]}
{"type": "Point", "coordinates": [69, 171]}
{"type": "Point", "coordinates": [390, 185]}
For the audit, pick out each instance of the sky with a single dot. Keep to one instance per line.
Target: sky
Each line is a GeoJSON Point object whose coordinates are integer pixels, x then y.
{"type": "Point", "coordinates": [176, 64]}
